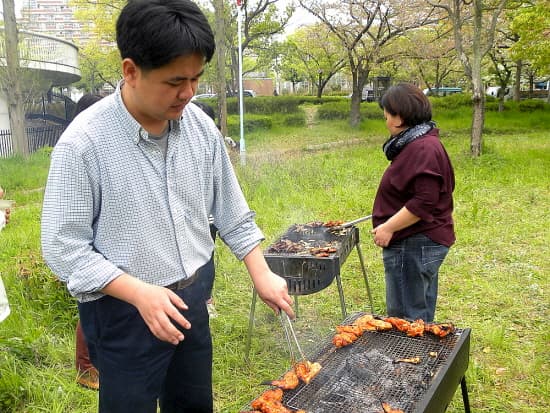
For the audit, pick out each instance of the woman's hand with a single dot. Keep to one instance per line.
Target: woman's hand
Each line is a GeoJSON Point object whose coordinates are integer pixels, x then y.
{"type": "Point", "coordinates": [382, 235]}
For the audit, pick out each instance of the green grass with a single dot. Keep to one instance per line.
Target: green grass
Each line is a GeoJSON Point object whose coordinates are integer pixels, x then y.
{"type": "Point", "coordinates": [494, 281]}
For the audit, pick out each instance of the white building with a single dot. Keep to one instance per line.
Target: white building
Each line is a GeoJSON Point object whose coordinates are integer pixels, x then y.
{"type": "Point", "coordinates": [52, 17]}
{"type": "Point", "coordinates": [45, 61]}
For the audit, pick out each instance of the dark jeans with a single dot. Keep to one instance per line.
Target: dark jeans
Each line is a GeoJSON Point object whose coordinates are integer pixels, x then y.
{"type": "Point", "coordinates": [411, 266]}
{"type": "Point", "coordinates": [136, 369]}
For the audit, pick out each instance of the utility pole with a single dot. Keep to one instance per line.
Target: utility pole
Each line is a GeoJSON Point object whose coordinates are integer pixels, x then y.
{"type": "Point", "coordinates": [12, 84]}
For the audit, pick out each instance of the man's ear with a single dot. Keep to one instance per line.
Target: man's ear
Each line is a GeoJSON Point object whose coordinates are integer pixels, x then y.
{"type": "Point", "coordinates": [130, 71]}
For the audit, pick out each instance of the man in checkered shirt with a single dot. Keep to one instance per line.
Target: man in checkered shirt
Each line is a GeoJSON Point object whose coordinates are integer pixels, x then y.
{"type": "Point", "coordinates": [132, 183]}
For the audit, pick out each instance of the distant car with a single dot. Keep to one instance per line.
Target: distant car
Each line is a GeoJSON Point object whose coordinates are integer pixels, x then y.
{"type": "Point", "coordinates": [442, 91]}
{"type": "Point", "coordinates": [367, 95]}
{"type": "Point", "coordinates": [247, 93]}
{"type": "Point", "coordinates": [493, 91]}
{"type": "Point", "coordinates": [204, 96]}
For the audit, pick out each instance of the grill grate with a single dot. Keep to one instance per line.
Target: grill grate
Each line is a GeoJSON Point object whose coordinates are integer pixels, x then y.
{"type": "Point", "coordinates": [307, 274]}
{"type": "Point", "coordinates": [359, 377]}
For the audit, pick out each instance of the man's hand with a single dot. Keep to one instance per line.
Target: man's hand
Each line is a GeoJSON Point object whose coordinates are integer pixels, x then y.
{"type": "Point", "coordinates": [271, 288]}
{"type": "Point", "coordinates": [157, 305]}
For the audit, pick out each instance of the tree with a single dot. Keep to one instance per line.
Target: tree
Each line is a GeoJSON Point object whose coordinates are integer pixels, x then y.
{"type": "Point", "coordinates": [532, 26]}
{"type": "Point", "coordinates": [219, 14]}
{"type": "Point", "coordinates": [364, 29]}
{"type": "Point", "coordinates": [430, 54]}
{"type": "Point", "coordinates": [318, 52]}
{"type": "Point", "coordinates": [100, 60]}
{"type": "Point", "coordinates": [12, 82]}
{"type": "Point", "coordinates": [262, 21]}
{"type": "Point", "coordinates": [477, 19]}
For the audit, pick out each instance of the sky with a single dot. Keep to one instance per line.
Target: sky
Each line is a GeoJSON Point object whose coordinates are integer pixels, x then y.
{"type": "Point", "coordinates": [18, 6]}
{"type": "Point", "coordinates": [299, 18]}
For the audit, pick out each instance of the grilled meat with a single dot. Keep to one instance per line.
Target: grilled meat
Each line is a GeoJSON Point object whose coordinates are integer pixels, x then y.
{"type": "Point", "coordinates": [288, 382]}
{"type": "Point", "coordinates": [333, 223]}
{"type": "Point", "coordinates": [416, 329]}
{"type": "Point", "coordinates": [398, 323]}
{"type": "Point", "coordinates": [344, 339]}
{"type": "Point", "coordinates": [306, 370]}
{"type": "Point", "coordinates": [411, 360]}
{"type": "Point", "coordinates": [440, 330]}
{"type": "Point", "coordinates": [388, 409]}
{"type": "Point", "coordinates": [270, 401]}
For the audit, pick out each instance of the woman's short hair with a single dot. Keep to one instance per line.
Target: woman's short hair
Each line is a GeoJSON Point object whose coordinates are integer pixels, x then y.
{"type": "Point", "coordinates": [154, 32]}
{"type": "Point", "coordinates": [408, 102]}
{"type": "Point", "coordinates": [85, 102]}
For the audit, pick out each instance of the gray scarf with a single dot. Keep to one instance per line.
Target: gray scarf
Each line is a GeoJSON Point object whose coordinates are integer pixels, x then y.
{"type": "Point", "coordinates": [395, 144]}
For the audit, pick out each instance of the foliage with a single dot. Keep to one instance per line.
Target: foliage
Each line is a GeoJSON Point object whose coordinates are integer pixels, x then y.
{"type": "Point", "coordinates": [334, 110]}
{"type": "Point", "coordinates": [531, 24]}
{"type": "Point", "coordinates": [426, 56]}
{"type": "Point", "coordinates": [452, 101]}
{"type": "Point", "coordinates": [313, 52]}
{"type": "Point", "coordinates": [100, 60]}
{"type": "Point", "coordinates": [251, 122]}
{"type": "Point", "coordinates": [530, 105]}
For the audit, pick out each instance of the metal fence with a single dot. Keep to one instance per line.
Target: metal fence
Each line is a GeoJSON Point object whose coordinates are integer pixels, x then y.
{"type": "Point", "coordinates": [38, 137]}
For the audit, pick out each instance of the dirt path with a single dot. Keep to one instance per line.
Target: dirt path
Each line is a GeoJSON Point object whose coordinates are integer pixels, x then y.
{"type": "Point", "coordinates": [311, 111]}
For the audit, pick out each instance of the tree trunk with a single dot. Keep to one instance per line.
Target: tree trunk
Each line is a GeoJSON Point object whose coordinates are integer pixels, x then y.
{"type": "Point", "coordinates": [517, 81]}
{"type": "Point", "coordinates": [220, 67]}
{"type": "Point", "coordinates": [12, 84]}
{"type": "Point", "coordinates": [477, 128]}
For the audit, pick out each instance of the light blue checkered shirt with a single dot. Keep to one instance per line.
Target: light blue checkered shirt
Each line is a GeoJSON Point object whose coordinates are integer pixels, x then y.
{"type": "Point", "coordinates": [114, 204]}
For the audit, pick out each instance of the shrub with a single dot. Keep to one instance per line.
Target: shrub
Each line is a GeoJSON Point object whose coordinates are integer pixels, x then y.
{"type": "Point", "coordinates": [251, 123]}
{"type": "Point", "coordinates": [334, 110]}
{"type": "Point", "coordinates": [371, 110]}
{"type": "Point", "coordinates": [530, 105]}
{"type": "Point", "coordinates": [296, 119]}
{"type": "Point", "coordinates": [452, 101]}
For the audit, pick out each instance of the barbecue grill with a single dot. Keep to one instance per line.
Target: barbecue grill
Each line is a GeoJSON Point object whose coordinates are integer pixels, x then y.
{"type": "Point", "coordinates": [359, 377]}
{"type": "Point", "coordinates": [299, 257]}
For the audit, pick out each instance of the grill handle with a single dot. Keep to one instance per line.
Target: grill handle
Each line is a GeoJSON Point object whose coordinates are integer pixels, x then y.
{"type": "Point", "coordinates": [350, 223]}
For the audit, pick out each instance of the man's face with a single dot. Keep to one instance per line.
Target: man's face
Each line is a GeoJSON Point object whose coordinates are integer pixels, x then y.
{"type": "Point", "coordinates": [158, 95]}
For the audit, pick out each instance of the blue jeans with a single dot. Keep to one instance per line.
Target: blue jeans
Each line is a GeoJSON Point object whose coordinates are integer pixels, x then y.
{"type": "Point", "coordinates": [136, 369]}
{"type": "Point", "coordinates": [411, 266]}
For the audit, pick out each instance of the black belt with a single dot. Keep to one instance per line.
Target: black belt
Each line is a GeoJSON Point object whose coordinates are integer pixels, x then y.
{"type": "Point", "coordinates": [183, 283]}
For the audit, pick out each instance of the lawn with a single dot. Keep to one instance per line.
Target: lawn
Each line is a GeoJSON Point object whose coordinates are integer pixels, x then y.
{"type": "Point", "coordinates": [494, 281]}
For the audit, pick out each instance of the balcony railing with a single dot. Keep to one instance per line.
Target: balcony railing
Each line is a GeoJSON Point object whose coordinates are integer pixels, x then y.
{"type": "Point", "coordinates": [56, 58]}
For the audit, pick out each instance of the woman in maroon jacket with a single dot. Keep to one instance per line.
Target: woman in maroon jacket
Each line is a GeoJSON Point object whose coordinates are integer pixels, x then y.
{"type": "Point", "coordinates": [412, 212]}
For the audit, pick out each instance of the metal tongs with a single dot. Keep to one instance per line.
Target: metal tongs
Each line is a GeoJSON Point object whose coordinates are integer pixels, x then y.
{"type": "Point", "coordinates": [289, 331]}
{"type": "Point", "coordinates": [349, 223]}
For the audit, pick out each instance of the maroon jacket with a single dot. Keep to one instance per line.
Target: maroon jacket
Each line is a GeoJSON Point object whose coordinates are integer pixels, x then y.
{"type": "Point", "coordinates": [421, 178]}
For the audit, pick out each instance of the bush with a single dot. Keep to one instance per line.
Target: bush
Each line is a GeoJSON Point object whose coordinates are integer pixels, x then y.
{"type": "Point", "coordinates": [296, 119]}
{"type": "Point", "coordinates": [334, 110]}
{"type": "Point", "coordinates": [452, 101]}
{"type": "Point", "coordinates": [251, 123]}
{"type": "Point", "coordinates": [530, 105]}
{"type": "Point", "coordinates": [371, 110]}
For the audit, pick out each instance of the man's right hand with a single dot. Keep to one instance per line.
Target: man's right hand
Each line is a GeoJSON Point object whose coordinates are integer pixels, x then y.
{"type": "Point", "coordinates": [157, 305]}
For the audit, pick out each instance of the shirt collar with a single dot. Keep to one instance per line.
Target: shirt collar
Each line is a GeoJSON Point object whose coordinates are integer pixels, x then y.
{"type": "Point", "coordinates": [132, 126]}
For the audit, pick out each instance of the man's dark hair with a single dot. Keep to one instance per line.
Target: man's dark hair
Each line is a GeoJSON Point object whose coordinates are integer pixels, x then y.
{"type": "Point", "coordinates": [409, 102]}
{"type": "Point", "coordinates": [154, 32]}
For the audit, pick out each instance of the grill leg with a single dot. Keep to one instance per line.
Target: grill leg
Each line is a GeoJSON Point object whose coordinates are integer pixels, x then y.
{"type": "Point", "coordinates": [341, 293]}
{"type": "Point", "coordinates": [465, 398]}
{"type": "Point", "coordinates": [250, 322]}
{"type": "Point", "coordinates": [363, 268]}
